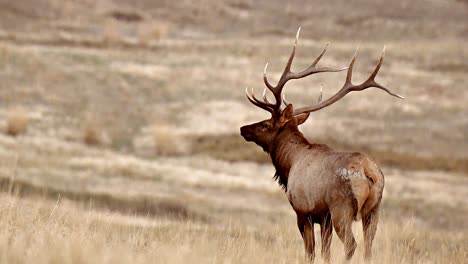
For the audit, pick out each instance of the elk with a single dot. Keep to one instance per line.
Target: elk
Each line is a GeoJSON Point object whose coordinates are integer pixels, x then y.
{"type": "Point", "coordinates": [323, 186]}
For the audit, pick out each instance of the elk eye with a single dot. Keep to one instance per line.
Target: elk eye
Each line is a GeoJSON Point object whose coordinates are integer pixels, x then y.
{"type": "Point", "coordinates": [264, 126]}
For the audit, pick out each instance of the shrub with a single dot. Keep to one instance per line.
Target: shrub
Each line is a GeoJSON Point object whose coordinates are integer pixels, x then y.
{"type": "Point", "coordinates": [92, 135]}
{"type": "Point", "coordinates": [110, 33]}
{"type": "Point", "coordinates": [146, 33]}
{"type": "Point", "coordinates": [168, 143]}
{"type": "Point", "coordinates": [17, 122]}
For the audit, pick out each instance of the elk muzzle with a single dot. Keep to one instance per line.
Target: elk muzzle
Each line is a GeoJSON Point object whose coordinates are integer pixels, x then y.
{"type": "Point", "coordinates": [247, 132]}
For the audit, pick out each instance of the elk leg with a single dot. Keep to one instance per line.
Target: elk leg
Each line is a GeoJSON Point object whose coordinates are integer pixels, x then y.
{"type": "Point", "coordinates": [309, 240]}
{"type": "Point", "coordinates": [369, 226]}
{"type": "Point", "coordinates": [342, 221]}
{"type": "Point", "coordinates": [306, 227]}
{"type": "Point", "coordinates": [300, 224]}
{"type": "Point", "coordinates": [326, 233]}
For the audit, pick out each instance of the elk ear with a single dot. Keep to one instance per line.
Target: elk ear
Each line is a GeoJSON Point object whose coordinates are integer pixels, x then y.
{"type": "Point", "coordinates": [302, 118]}
{"type": "Point", "coordinates": [287, 114]}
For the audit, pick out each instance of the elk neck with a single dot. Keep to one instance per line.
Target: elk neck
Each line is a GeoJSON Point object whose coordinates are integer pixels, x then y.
{"type": "Point", "coordinates": [287, 145]}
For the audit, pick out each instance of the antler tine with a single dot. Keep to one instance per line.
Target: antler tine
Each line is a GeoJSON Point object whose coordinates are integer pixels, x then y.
{"type": "Point", "coordinates": [321, 94]}
{"type": "Point", "coordinates": [265, 99]}
{"type": "Point", "coordinates": [349, 87]}
{"type": "Point", "coordinates": [312, 69]}
{"type": "Point", "coordinates": [321, 54]}
{"type": "Point", "coordinates": [379, 64]}
{"type": "Point", "coordinates": [265, 79]}
{"type": "Point", "coordinates": [349, 74]}
{"type": "Point", "coordinates": [284, 100]}
{"type": "Point", "coordinates": [251, 97]}
{"type": "Point", "coordinates": [287, 69]}
{"type": "Point", "coordinates": [257, 100]}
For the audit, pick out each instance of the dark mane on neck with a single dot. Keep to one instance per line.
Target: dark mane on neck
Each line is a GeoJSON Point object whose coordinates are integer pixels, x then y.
{"type": "Point", "coordinates": [281, 179]}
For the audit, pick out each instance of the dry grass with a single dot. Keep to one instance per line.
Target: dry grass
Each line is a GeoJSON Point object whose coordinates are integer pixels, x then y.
{"type": "Point", "coordinates": [58, 232]}
{"type": "Point", "coordinates": [17, 122]}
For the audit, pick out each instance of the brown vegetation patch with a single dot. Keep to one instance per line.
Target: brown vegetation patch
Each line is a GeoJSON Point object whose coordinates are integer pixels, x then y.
{"type": "Point", "coordinates": [126, 16]}
{"type": "Point", "coordinates": [450, 67]}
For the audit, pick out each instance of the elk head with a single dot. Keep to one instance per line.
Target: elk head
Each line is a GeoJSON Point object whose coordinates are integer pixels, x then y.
{"type": "Point", "coordinates": [265, 133]}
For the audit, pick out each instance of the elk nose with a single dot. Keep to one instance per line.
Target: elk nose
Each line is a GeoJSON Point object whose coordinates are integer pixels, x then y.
{"type": "Point", "coordinates": [245, 133]}
{"type": "Point", "coordinates": [242, 130]}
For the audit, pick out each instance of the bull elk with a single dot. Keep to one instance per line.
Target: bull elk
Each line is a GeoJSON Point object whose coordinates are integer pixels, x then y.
{"type": "Point", "coordinates": [322, 185]}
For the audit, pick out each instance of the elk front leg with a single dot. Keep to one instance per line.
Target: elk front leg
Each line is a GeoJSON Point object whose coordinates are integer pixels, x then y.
{"type": "Point", "coordinates": [326, 234]}
{"type": "Point", "coordinates": [306, 227]}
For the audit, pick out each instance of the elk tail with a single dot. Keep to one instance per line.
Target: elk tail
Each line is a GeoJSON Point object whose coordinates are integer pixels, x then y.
{"type": "Point", "coordinates": [375, 175]}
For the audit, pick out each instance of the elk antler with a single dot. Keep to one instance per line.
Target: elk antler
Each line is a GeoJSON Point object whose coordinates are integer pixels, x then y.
{"type": "Point", "coordinates": [275, 108]}
{"type": "Point", "coordinates": [349, 87]}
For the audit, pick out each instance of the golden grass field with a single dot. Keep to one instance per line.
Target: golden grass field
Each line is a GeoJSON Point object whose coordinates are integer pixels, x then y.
{"type": "Point", "coordinates": [120, 125]}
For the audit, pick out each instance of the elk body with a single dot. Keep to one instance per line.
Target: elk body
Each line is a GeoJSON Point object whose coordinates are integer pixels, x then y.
{"type": "Point", "coordinates": [323, 186]}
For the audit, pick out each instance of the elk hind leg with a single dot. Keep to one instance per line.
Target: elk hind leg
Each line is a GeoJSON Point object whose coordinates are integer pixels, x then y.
{"type": "Point", "coordinates": [369, 226]}
{"type": "Point", "coordinates": [342, 218]}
